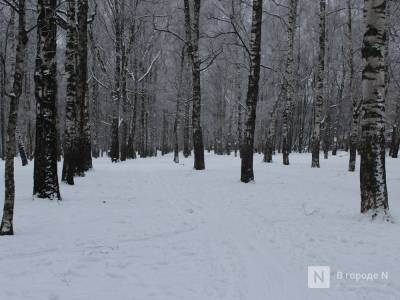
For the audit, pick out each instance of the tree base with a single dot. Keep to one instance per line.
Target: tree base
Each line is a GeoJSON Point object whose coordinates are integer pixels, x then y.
{"type": "Point", "coordinates": [6, 229]}
{"type": "Point", "coordinates": [379, 215]}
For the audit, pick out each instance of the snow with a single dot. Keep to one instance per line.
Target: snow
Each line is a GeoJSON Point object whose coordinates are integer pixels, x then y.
{"type": "Point", "coordinates": [151, 229]}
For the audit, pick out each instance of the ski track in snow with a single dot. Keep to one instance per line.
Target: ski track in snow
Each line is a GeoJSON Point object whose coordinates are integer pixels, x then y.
{"type": "Point", "coordinates": [151, 229]}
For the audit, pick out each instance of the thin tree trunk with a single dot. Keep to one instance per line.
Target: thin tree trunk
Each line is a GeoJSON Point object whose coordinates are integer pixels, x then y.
{"type": "Point", "coordinates": [327, 134]}
{"type": "Point", "coordinates": [192, 39]}
{"type": "Point", "coordinates": [143, 123]}
{"type": "Point", "coordinates": [338, 109]}
{"type": "Point", "coordinates": [94, 97]}
{"type": "Point", "coordinates": [177, 122]}
{"type": "Point", "coordinates": [355, 114]}
{"type": "Point", "coordinates": [164, 142]}
{"type": "Point", "coordinates": [269, 145]}
{"type": "Point", "coordinates": [316, 137]}
{"type": "Point", "coordinates": [70, 135]}
{"type": "Point", "coordinates": [124, 122]}
{"type": "Point", "coordinates": [239, 141]}
{"type": "Point", "coordinates": [186, 131]}
{"type": "Point", "coordinates": [3, 108]}
{"type": "Point", "coordinates": [132, 131]}
{"type": "Point", "coordinates": [6, 227]}
{"type": "Point", "coordinates": [374, 196]}
{"type": "Point", "coordinates": [289, 82]}
{"type": "Point", "coordinates": [394, 145]}
{"type": "Point", "coordinates": [116, 94]}
{"type": "Point", "coordinates": [247, 173]}
{"type": "Point", "coordinates": [21, 148]}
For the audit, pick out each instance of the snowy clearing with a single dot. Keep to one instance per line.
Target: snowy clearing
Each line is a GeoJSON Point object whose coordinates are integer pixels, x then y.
{"type": "Point", "coordinates": [150, 229]}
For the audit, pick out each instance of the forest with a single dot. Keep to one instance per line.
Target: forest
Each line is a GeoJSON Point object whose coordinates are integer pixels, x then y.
{"type": "Point", "coordinates": [219, 147]}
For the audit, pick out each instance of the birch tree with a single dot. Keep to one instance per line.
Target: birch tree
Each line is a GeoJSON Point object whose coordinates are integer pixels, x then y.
{"type": "Point", "coordinates": [116, 93]}
{"type": "Point", "coordinates": [70, 136]}
{"type": "Point", "coordinates": [45, 165]}
{"type": "Point", "coordinates": [316, 137]}
{"type": "Point", "coordinates": [353, 99]}
{"type": "Point", "coordinates": [247, 172]}
{"type": "Point", "coordinates": [192, 30]}
{"type": "Point", "coordinates": [177, 122]}
{"type": "Point", "coordinates": [84, 162]}
{"type": "Point", "coordinates": [6, 227]}
{"type": "Point", "coordinates": [289, 82]}
{"type": "Point", "coordinates": [374, 196]}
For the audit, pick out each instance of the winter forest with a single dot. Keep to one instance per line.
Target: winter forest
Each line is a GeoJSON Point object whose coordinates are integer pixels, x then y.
{"type": "Point", "coordinates": [199, 149]}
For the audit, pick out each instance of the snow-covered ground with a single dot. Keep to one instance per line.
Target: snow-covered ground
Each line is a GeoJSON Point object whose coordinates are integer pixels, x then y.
{"type": "Point", "coordinates": [150, 229]}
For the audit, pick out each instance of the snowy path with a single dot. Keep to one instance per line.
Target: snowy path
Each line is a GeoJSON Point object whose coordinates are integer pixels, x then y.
{"type": "Point", "coordinates": [150, 229]}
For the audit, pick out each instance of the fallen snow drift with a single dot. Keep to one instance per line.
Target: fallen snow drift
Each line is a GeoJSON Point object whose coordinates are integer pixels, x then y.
{"type": "Point", "coordinates": [150, 229]}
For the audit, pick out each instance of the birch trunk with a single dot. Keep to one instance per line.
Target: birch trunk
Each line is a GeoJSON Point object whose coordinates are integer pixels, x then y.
{"type": "Point", "coordinates": [6, 227]}
{"type": "Point", "coordinates": [177, 122]}
{"type": "Point", "coordinates": [316, 137]}
{"type": "Point", "coordinates": [116, 93]}
{"type": "Point", "coordinates": [124, 96]}
{"type": "Point", "coordinates": [338, 110]}
{"type": "Point", "coordinates": [45, 165]}
{"type": "Point", "coordinates": [374, 196]}
{"type": "Point", "coordinates": [269, 146]}
{"type": "Point", "coordinates": [164, 134]}
{"type": "Point", "coordinates": [247, 173]}
{"type": "Point", "coordinates": [239, 135]}
{"type": "Point", "coordinates": [84, 162]}
{"type": "Point", "coordinates": [394, 145]}
{"type": "Point", "coordinates": [289, 82]}
{"type": "Point", "coordinates": [192, 39]}
{"type": "Point", "coordinates": [21, 148]}
{"type": "Point", "coordinates": [186, 132]}
{"type": "Point", "coordinates": [70, 135]}
{"type": "Point", "coordinates": [132, 128]}
{"type": "Point", "coordinates": [94, 96]}
{"type": "Point", "coordinates": [355, 115]}
{"type": "Point", "coordinates": [143, 121]}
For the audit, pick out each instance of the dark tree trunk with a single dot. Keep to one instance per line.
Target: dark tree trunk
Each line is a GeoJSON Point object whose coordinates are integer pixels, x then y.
{"type": "Point", "coordinates": [94, 97]}
{"type": "Point", "coordinates": [186, 132]}
{"type": "Point", "coordinates": [21, 148]}
{"type": "Point", "coordinates": [3, 109]}
{"type": "Point", "coordinates": [267, 151]}
{"type": "Point", "coordinates": [6, 227]}
{"type": "Point", "coordinates": [338, 110]}
{"type": "Point", "coordinates": [374, 196]}
{"type": "Point", "coordinates": [143, 123]}
{"type": "Point", "coordinates": [45, 167]}
{"type": "Point", "coordinates": [132, 132]}
{"type": "Point", "coordinates": [394, 146]}
{"type": "Point", "coordinates": [177, 122]}
{"type": "Point", "coordinates": [316, 137]}
{"type": "Point", "coordinates": [269, 145]}
{"type": "Point", "coordinates": [192, 39]}
{"type": "Point", "coordinates": [247, 173]}
{"type": "Point", "coordinates": [124, 122]}
{"type": "Point", "coordinates": [70, 135]}
{"type": "Point", "coordinates": [327, 135]}
{"type": "Point", "coordinates": [164, 142]}
{"type": "Point", "coordinates": [289, 84]}
{"type": "Point", "coordinates": [239, 141]}
{"type": "Point", "coordinates": [84, 162]}
{"type": "Point", "coordinates": [116, 93]}
{"type": "Point", "coordinates": [114, 152]}
{"type": "Point", "coordinates": [353, 140]}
